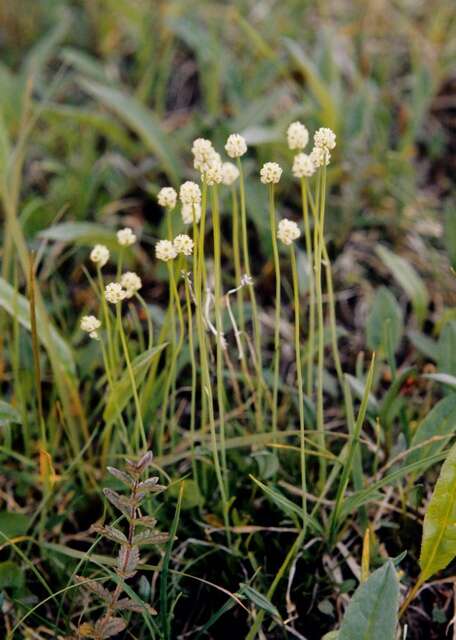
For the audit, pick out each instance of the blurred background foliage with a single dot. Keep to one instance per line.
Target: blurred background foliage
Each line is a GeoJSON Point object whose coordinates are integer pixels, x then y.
{"type": "Point", "coordinates": [124, 86]}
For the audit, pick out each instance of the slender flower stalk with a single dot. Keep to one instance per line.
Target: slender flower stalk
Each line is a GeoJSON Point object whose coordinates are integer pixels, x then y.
{"type": "Point", "coordinates": [139, 420]}
{"type": "Point", "coordinates": [191, 345]}
{"type": "Point", "coordinates": [276, 359]}
{"type": "Point", "coordinates": [309, 251]}
{"type": "Point", "coordinates": [150, 327]}
{"type": "Point", "coordinates": [297, 340]}
{"type": "Point", "coordinates": [253, 304]}
{"type": "Point", "coordinates": [219, 327]}
{"type": "Point", "coordinates": [107, 321]}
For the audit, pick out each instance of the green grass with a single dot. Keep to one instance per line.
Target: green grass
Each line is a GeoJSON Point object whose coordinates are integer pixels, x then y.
{"type": "Point", "coordinates": [271, 484]}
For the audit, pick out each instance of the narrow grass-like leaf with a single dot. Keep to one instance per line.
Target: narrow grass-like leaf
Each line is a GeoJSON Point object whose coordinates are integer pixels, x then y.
{"type": "Point", "coordinates": [438, 547]}
{"type": "Point", "coordinates": [8, 414]}
{"type": "Point", "coordinates": [86, 233]}
{"type": "Point", "coordinates": [142, 120]}
{"type": "Point", "coordinates": [259, 600]}
{"type": "Point", "coordinates": [372, 612]}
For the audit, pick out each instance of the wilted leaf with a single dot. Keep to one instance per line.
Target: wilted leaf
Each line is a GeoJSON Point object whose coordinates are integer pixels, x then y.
{"type": "Point", "coordinates": [126, 604]}
{"type": "Point", "coordinates": [94, 587]}
{"type": "Point", "coordinates": [372, 612]}
{"type": "Point", "coordinates": [87, 630]}
{"type": "Point", "coordinates": [438, 547]}
{"type": "Point", "coordinates": [385, 315]}
{"type": "Point", "coordinates": [110, 627]}
{"type": "Point", "coordinates": [150, 537]}
{"type": "Point", "coordinates": [127, 561]}
{"type": "Point", "coordinates": [122, 476]}
{"type": "Point", "coordinates": [110, 532]}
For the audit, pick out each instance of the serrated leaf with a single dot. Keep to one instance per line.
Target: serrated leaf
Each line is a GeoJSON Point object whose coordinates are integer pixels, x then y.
{"type": "Point", "coordinates": [120, 502]}
{"type": "Point", "coordinates": [122, 476]}
{"type": "Point", "coordinates": [438, 546]}
{"type": "Point", "coordinates": [110, 627]}
{"type": "Point", "coordinates": [372, 612]}
{"type": "Point", "coordinates": [127, 604]}
{"type": "Point", "coordinates": [110, 532]}
{"type": "Point", "coordinates": [150, 537]}
{"type": "Point", "coordinates": [440, 421]}
{"type": "Point", "coordinates": [385, 314]}
{"type": "Point", "coordinates": [94, 587]}
{"type": "Point", "coordinates": [409, 280]}
{"type": "Point", "coordinates": [127, 561]}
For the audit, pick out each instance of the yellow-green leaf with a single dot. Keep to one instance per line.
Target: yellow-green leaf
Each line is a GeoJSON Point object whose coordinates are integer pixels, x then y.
{"type": "Point", "coordinates": [438, 546]}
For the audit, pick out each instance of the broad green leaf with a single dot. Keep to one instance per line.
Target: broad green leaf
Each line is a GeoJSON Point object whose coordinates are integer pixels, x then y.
{"type": "Point", "coordinates": [427, 346]}
{"type": "Point", "coordinates": [385, 310]}
{"type": "Point", "coordinates": [122, 391]}
{"type": "Point", "coordinates": [446, 362]}
{"type": "Point", "coordinates": [409, 280]}
{"type": "Point", "coordinates": [8, 414]}
{"type": "Point", "coordinates": [86, 233]}
{"type": "Point", "coordinates": [12, 525]}
{"type": "Point", "coordinates": [440, 421]}
{"type": "Point", "coordinates": [444, 378]}
{"type": "Point", "coordinates": [142, 120]}
{"type": "Point", "coordinates": [191, 495]}
{"type": "Point", "coordinates": [11, 575]}
{"type": "Point", "coordinates": [259, 600]}
{"type": "Point", "coordinates": [372, 612]}
{"type": "Point", "coordinates": [18, 306]}
{"type": "Point", "coordinates": [438, 545]}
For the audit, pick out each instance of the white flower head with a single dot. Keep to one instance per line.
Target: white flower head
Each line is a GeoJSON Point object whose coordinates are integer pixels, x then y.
{"type": "Point", "coordinates": [99, 255]}
{"type": "Point", "coordinates": [325, 138]}
{"type": "Point", "coordinates": [190, 193]}
{"type": "Point", "coordinates": [320, 156]}
{"type": "Point", "coordinates": [90, 324]}
{"type": "Point", "coordinates": [303, 166]}
{"type": "Point", "coordinates": [183, 244]}
{"type": "Point", "coordinates": [212, 172]}
{"type": "Point", "coordinates": [190, 210]}
{"type": "Point", "coordinates": [114, 293]}
{"type": "Point", "coordinates": [297, 136]}
{"type": "Point", "coordinates": [167, 197]}
{"type": "Point", "coordinates": [236, 145]}
{"type": "Point", "coordinates": [288, 231]}
{"type": "Point", "coordinates": [165, 250]}
{"type": "Point", "coordinates": [126, 237]}
{"type": "Point", "coordinates": [203, 154]}
{"type": "Point", "coordinates": [131, 282]}
{"type": "Point", "coordinates": [270, 173]}
{"type": "Point", "coordinates": [230, 173]}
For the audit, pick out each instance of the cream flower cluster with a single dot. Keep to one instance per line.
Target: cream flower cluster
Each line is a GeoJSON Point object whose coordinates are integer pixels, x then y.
{"type": "Point", "coordinates": [212, 174]}
{"type": "Point", "coordinates": [131, 282]}
{"type": "Point", "coordinates": [230, 173]}
{"type": "Point", "coordinates": [303, 166]}
{"type": "Point", "coordinates": [114, 293]}
{"type": "Point", "coordinates": [270, 173]}
{"type": "Point", "coordinates": [297, 136]}
{"type": "Point", "coordinates": [99, 255]}
{"type": "Point", "coordinates": [165, 250]}
{"type": "Point", "coordinates": [204, 154]}
{"type": "Point", "coordinates": [325, 138]}
{"type": "Point", "coordinates": [190, 210]}
{"type": "Point", "coordinates": [190, 193]}
{"type": "Point", "coordinates": [90, 324]}
{"type": "Point", "coordinates": [183, 244]}
{"type": "Point", "coordinates": [320, 156]}
{"type": "Point", "coordinates": [126, 237]}
{"type": "Point", "coordinates": [288, 231]}
{"type": "Point", "coordinates": [236, 146]}
{"type": "Point", "coordinates": [167, 197]}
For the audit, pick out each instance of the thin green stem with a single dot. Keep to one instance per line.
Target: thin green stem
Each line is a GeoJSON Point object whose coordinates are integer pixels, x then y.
{"type": "Point", "coordinates": [309, 251]}
{"type": "Point", "coordinates": [276, 359]}
{"type": "Point", "coordinates": [255, 317]}
{"type": "Point", "coordinates": [150, 328]}
{"type": "Point", "coordinates": [139, 420]}
{"type": "Point", "coordinates": [218, 294]}
{"type": "Point", "coordinates": [194, 376]}
{"type": "Point", "coordinates": [107, 320]}
{"type": "Point", "coordinates": [297, 340]}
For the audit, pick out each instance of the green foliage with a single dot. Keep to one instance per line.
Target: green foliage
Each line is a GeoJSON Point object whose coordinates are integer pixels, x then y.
{"type": "Point", "coordinates": [372, 612]}
{"type": "Point", "coordinates": [385, 321]}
